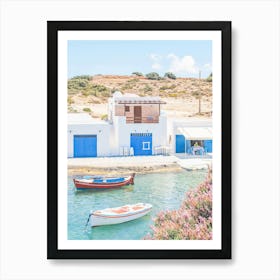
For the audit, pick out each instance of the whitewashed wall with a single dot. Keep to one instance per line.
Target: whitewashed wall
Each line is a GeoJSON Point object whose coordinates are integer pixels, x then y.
{"type": "Point", "coordinates": [175, 124]}
{"type": "Point", "coordinates": [123, 130]}
{"type": "Point", "coordinates": [102, 131]}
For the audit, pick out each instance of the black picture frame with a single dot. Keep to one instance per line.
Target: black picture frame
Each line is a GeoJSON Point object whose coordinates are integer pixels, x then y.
{"type": "Point", "coordinates": [53, 27]}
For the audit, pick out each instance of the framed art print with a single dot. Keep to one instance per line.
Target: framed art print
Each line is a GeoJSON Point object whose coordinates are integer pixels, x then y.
{"type": "Point", "coordinates": [139, 140]}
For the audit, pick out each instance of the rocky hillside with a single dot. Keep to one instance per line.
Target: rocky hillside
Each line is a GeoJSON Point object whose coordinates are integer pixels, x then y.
{"type": "Point", "coordinates": [90, 93]}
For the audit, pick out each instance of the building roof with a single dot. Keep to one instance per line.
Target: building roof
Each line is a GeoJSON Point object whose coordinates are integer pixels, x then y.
{"type": "Point", "coordinates": [134, 99]}
{"type": "Point", "coordinates": [83, 118]}
{"type": "Point", "coordinates": [196, 133]}
{"type": "Point", "coordinates": [197, 122]}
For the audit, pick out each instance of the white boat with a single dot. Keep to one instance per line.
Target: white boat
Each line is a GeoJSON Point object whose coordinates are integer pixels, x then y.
{"type": "Point", "coordinates": [191, 165]}
{"type": "Point", "coordinates": [125, 213]}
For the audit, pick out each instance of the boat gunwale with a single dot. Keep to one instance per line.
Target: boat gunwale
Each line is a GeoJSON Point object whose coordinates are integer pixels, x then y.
{"type": "Point", "coordinates": [124, 215]}
{"type": "Point", "coordinates": [103, 185]}
{"type": "Point", "coordinates": [127, 178]}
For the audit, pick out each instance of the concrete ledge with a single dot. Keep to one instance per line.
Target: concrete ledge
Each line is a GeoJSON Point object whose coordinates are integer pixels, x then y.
{"type": "Point", "coordinates": [139, 164]}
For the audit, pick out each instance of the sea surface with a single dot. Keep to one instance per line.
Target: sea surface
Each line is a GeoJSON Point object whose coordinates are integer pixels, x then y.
{"type": "Point", "coordinates": [165, 191]}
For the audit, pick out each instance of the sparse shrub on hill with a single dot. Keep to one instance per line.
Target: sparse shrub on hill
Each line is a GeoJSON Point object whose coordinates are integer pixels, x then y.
{"type": "Point", "coordinates": [166, 87]}
{"type": "Point", "coordinates": [70, 100]}
{"type": "Point", "coordinates": [77, 84]}
{"type": "Point", "coordinates": [87, 110]}
{"type": "Point", "coordinates": [147, 88]}
{"type": "Point", "coordinates": [126, 86]}
{"type": "Point", "coordinates": [104, 117]}
{"type": "Point", "coordinates": [134, 80]}
{"type": "Point", "coordinates": [83, 89]}
{"type": "Point", "coordinates": [173, 95]}
{"type": "Point", "coordinates": [153, 76]}
{"type": "Point", "coordinates": [196, 94]}
{"type": "Point", "coordinates": [209, 78]}
{"type": "Point", "coordinates": [99, 90]}
{"type": "Point", "coordinates": [193, 220]}
{"type": "Point", "coordinates": [137, 73]}
{"type": "Point", "coordinates": [72, 110]}
{"type": "Point", "coordinates": [170, 75]}
{"type": "Point", "coordinates": [114, 89]}
{"type": "Point", "coordinates": [82, 84]}
{"type": "Point", "coordinates": [82, 77]}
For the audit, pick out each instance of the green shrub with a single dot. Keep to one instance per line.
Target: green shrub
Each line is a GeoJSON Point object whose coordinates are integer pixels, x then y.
{"type": "Point", "coordinates": [170, 75]}
{"type": "Point", "coordinates": [86, 93]}
{"type": "Point", "coordinates": [114, 89]}
{"type": "Point", "coordinates": [182, 92]}
{"type": "Point", "coordinates": [173, 95]}
{"type": "Point", "coordinates": [135, 80]}
{"type": "Point", "coordinates": [70, 100]}
{"type": "Point", "coordinates": [81, 84]}
{"type": "Point", "coordinates": [137, 73]}
{"type": "Point", "coordinates": [196, 94]}
{"type": "Point", "coordinates": [97, 90]}
{"type": "Point", "coordinates": [167, 87]}
{"type": "Point", "coordinates": [147, 88]}
{"type": "Point", "coordinates": [104, 117]}
{"type": "Point", "coordinates": [153, 76]}
{"type": "Point", "coordinates": [72, 110]}
{"type": "Point", "coordinates": [126, 86]}
{"type": "Point", "coordinates": [87, 110]}
{"type": "Point", "coordinates": [82, 77]}
{"type": "Point", "coordinates": [209, 78]}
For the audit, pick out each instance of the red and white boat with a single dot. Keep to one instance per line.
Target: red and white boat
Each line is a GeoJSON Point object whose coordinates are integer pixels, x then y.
{"type": "Point", "coordinates": [110, 216]}
{"type": "Point", "coordinates": [100, 182]}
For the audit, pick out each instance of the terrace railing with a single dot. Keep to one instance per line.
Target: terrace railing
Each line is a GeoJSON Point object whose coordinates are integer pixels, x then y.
{"type": "Point", "coordinates": [148, 119]}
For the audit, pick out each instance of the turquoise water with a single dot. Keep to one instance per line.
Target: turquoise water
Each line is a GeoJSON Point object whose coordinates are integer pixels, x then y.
{"type": "Point", "coordinates": [162, 190]}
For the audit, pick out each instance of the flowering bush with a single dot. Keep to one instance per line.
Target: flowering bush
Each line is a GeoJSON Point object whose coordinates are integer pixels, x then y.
{"type": "Point", "coordinates": [192, 221]}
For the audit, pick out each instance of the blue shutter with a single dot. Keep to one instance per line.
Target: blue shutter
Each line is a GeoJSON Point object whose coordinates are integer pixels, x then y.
{"type": "Point", "coordinates": [208, 146]}
{"type": "Point", "coordinates": [85, 146]}
{"type": "Point", "coordinates": [188, 146]}
{"type": "Point", "coordinates": [182, 145]}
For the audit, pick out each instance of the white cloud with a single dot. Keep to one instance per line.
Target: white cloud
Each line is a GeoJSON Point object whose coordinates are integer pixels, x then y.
{"type": "Point", "coordinates": [156, 66]}
{"type": "Point", "coordinates": [155, 61]}
{"type": "Point", "coordinates": [155, 57]}
{"type": "Point", "coordinates": [207, 66]}
{"type": "Point", "coordinates": [182, 65]}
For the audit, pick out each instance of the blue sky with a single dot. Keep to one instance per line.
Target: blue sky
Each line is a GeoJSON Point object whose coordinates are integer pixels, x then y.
{"type": "Point", "coordinates": [183, 58]}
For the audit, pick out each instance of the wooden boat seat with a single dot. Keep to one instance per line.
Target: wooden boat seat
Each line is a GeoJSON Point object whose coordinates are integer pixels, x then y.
{"type": "Point", "coordinates": [121, 210]}
{"type": "Point", "coordinates": [137, 207]}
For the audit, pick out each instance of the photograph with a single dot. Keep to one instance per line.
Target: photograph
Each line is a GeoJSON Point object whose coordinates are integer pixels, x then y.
{"type": "Point", "coordinates": [140, 139]}
{"type": "Point", "coordinates": [140, 164]}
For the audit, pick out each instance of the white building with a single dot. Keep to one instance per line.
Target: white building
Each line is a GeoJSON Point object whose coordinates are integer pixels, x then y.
{"type": "Point", "coordinates": [136, 126]}
{"type": "Point", "coordinates": [139, 127]}
{"type": "Point", "coordinates": [186, 134]}
{"type": "Point", "coordinates": [87, 137]}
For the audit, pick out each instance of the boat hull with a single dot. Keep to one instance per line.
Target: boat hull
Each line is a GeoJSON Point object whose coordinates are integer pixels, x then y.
{"type": "Point", "coordinates": [82, 185]}
{"type": "Point", "coordinates": [100, 220]}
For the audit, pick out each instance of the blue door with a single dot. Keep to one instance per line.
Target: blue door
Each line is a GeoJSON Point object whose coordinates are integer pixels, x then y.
{"type": "Point", "coordinates": [182, 145]}
{"type": "Point", "coordinates": [141, 143]}
{"type": "Point", "coordinates": [208, 146]}
{"type": "Point", "coordinates": [85, 146]}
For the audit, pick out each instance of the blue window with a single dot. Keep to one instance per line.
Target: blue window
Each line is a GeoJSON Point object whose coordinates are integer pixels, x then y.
{"type": "Point", "coordinates": [146, 146]}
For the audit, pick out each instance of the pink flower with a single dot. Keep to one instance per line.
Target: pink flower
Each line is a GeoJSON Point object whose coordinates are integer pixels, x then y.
{"type": "Point", "coordinates": [192, 221]}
